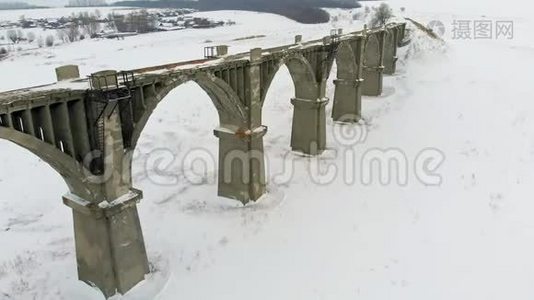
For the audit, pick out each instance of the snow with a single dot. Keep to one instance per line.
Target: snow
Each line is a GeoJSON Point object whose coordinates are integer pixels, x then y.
{"type": "Point", "coordinates": [469, 238]}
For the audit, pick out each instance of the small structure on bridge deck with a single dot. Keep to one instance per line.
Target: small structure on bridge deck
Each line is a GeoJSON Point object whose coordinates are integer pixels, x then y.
{"type": "Point", "coordinates": [215, 51]}
{"type": "Point", "coordinates": [67, 72]}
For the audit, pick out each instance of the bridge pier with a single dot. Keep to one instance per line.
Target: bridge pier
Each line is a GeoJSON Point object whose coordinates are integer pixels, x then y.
{"type": "Point", "coordinates": [110, 249]}
{"type": "Point", "coordinates": [373, 70]}
{"type": "Point", "coordinates": [308, 133]}
{"type": "Point", "coordinates": [347, 100]}
{"type": "Point", "coordinates": [390, 51]}
{"type": "Point", "coordinates": [373, 78]}
{"type": "Point", "coordinates": [241, 163]}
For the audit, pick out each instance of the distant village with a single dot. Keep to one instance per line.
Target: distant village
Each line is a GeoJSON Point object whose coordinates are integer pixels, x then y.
{"type": "Point", "coordinates": [172, 19]}
{"type": "Point", "coordinates": [26, 32]}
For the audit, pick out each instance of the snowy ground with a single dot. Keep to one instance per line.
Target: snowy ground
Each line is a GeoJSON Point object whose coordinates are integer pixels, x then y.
{"type": "Point", "coordinates": [470, 238]}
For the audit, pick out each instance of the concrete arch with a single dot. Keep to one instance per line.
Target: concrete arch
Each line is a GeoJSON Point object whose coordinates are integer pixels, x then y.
{"type": "Point", "coordinates": [372, 51]}
{"type": "Point", "coordinates": [232, 113]}
{"type": "Point", "coordinates": [74, 173]}
{"type": "Point", "coordinates": [347, 64]}
{"type": "Point", "coordinates": [301, 71]}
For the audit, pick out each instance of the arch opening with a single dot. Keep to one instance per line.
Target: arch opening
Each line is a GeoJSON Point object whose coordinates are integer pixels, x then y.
{"type": "Point", "coordinates": [278, 116]}
{"type": "Point", "coordinates": [176, 149]}
{"type": "Point", "coordinates": [301, 75]}
{"type": "Point", "coordinates": [73, 173]}
{"type": "Point", "coordinates": [34, 223]}
{"type": "Point", "coordinates": [330, 91]}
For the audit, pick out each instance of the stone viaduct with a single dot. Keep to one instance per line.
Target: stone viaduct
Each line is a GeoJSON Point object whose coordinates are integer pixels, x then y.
{"type": "Point", "coordinates": [87, 130]}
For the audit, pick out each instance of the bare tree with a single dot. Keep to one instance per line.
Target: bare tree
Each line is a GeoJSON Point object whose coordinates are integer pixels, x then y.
{"type": "Point", "coordinates": [30, 37]}
{"type": "Point", "coordinates": [86, 3]}
{"type": "Point", "coordinates": [12, 36]}
{"type": "Point", "coordinates": [20, 35]}
{"type": "Point", "coordinates": [89, 23]}
{"type": "Point", "coordinates": [49, 41]}
{"type": "Point", "coordinates": [72, 33]}
{"type": "Point", "coordinates": [62, 35]}
{"type": "Point", "coordinates": [40, 42]}
{"type": "Point", "coordinates": [381, 15]}
{"type": "Point", "coordinates": [3, 51]}
{"type": "Point", "coordinates": [92, 29]}
{"type": "Point", "coordinates": [141, 22]}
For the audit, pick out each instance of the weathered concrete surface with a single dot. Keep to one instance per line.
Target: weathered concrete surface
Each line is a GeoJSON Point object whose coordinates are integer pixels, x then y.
{"type": "Point", "coordinates": [67, 72]}
{"type": "Point", "coordinates": [308, 133]}
{"type": "Point", "coordinates": [104, 79]}
{"type": "Point", "coordinates": [347, 100]}
{"type": "Point", "coordinates": [373, 70]}
{"type": "Point", "coordinates": [348, 92]}
{"type": "Point", "coordinates": [390, 50]}
{"type": "Point", "coordinates": [110, 249]}
{"type": "Point", "coordinates": [241, 164]}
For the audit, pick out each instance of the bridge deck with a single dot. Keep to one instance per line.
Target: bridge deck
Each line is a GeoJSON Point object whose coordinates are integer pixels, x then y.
{"type": "Point", "coordinates": [71, 88]}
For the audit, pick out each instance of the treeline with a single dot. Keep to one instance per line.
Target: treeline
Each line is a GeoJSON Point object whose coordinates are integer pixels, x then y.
{"type": "Point", "coordinates": [303, 11]}
{"type": "Point", "coordinates": [86, 3]}
{"type": "Point", "coordinates": [17, 5]}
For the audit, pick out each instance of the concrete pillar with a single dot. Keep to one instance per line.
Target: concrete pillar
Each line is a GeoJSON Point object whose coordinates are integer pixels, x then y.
{"type": "Point", "coordinates": [309, 126]}
{"type": "Point", "coordinates": [110, 248]}
{"type": "Point", "coordinates": [347, 100]}
{"type": "Point", "coordinates": [401, 29]}
{"type": "Point", "coordinates": [373, 71]}
{"type": "Point", "coordinates": [390, 51]}
{"type": "Point", "coordinates": [241, 163]}
{"type": "Point", "coordinates": [373, 78]}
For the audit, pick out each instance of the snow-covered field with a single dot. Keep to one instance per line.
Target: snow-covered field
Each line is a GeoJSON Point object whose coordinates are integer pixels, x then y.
{"type": "Point", "coordinates": [470, 238]}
